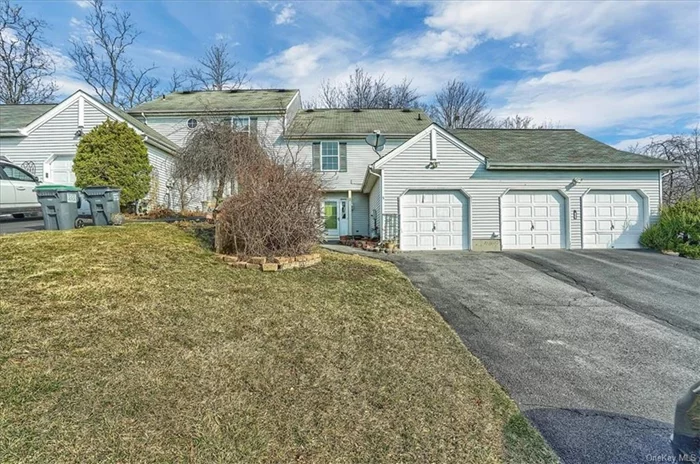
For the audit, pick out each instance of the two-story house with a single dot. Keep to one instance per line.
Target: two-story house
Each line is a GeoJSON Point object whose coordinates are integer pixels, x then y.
{"type": "Point", "coordinates": [332, 142]}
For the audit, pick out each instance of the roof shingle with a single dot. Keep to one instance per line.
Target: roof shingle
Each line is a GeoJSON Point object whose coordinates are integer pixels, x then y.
{"type": "Point", "coordinates": [203, 101]}
{"type": "Point", "coordinates": [510, 147]}
{"type": "Point", "coordinates": [15, 117]}
{"type": "Point", "coordinates": [349, 122]}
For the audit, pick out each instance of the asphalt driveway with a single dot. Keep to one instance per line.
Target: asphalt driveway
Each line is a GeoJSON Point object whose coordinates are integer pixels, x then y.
{"type": "Point", "coordinates": [9, 225]}
{"type": "Point", "coordinates": [596, 347]}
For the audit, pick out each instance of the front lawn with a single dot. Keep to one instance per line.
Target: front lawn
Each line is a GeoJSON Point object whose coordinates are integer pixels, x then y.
{"type": "Point", "coordinates": [133, 343]}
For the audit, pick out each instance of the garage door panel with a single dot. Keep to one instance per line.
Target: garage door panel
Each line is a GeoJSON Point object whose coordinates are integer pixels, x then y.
{"type": "Point", "coordinates": [536, 222]}
{"type": "Point", "coordinates": [612, 219]}
{"type": "Point", "coordinates": [440, 223]}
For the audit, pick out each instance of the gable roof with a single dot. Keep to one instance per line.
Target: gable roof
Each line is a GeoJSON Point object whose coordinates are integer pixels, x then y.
{"type": "Point", "coordinates": [15, 117]}
{"type": "Point", "coordinates": [152, 134]}
{"type": "Point", "coordinates": [27, 119]}
{"type": "Point", "coordinates": [551, 149]}
{"type": "Point", "coordinates": [318, 123]}
{"type": "Point", "coordinates": [247, 101]}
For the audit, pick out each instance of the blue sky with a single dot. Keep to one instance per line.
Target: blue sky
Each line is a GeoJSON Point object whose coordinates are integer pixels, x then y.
{"type": "Point", "coordinates": [619, 71]}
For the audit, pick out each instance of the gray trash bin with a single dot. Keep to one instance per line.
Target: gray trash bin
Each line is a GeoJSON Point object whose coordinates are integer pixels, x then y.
{"type": "Point", "coordinates": [104, 202]}
{"type": "Point", "coordinates": [59, 206]}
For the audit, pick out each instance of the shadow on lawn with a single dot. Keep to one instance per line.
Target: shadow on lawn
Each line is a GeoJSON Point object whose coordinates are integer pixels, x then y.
{"type": "Point", "coordinates": [585, 436]}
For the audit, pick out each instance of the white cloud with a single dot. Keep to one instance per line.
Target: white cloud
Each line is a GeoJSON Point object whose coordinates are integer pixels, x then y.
{"type": "Point", "coordinates": [654, 87]}
{"type": "Point", "coordinates": [286, 15]}
{"type": "Point", "coordinates": [83, 3]}
{"type": "Point", "coordinates": [555, 29]}
{"type": "Point", "coordinates": [641, 141]}
{"type": "Point", "coordinates": [222, 37]}
{"type": "Point", "coordinates": [433, 45]}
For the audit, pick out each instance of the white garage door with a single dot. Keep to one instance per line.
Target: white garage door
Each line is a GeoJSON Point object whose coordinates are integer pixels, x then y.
{"type": "Point", "coordinates": [533, 220]}
{"type": "Point", "coordinates": [435, 220]}
{"type": "Point", "coordinates": [60, 170]}
{"type": "Point", "coordinates": [612, 219]}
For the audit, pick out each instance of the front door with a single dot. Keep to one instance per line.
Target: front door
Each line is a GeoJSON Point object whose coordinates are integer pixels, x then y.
{"type": "Point", "coordinates": [335, 214]}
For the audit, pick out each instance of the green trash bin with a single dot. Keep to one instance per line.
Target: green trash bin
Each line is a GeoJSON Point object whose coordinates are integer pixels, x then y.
{"type": "Point", "coordinates": [59, 206]}
{"type": "Point", "coordinates": [104, 202]}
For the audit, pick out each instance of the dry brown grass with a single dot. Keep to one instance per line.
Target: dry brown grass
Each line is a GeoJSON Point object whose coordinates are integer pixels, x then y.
{"type": "Point", "coordinates": [134, 344]}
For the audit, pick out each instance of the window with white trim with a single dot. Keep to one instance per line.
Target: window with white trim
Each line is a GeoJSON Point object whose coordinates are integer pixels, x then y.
{"type": "Point", "coordinates": [330, 156]}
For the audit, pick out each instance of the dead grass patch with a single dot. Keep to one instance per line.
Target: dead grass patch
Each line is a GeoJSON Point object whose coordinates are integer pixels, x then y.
{"type": "Point", "coordinates": [133, 343]}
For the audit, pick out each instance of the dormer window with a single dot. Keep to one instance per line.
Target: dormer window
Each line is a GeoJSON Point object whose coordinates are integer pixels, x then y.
{"type": "Point", "coordinates": [192, 123]}
{"type": "Point", "coordinates": [330, 156]}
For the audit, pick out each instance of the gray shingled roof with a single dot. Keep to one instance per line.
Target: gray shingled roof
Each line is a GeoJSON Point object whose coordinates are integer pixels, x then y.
{"type": "Point", "coordinates": [348, 122]}
{"type": "Point", "coordinates": [15, 117]}
{"type": "Point", "coordinates": [548, 147]}
{"type": "Point", "coordinates": [202, 101]}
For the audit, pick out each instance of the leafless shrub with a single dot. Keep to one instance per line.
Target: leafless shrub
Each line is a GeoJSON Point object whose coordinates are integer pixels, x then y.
{"type": "Point", "coordinates": [275, 212]}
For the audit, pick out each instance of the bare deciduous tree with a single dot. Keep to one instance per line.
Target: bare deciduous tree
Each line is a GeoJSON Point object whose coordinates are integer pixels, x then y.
{"type": "Point", "coordinates": [684, 149]}
{"type": "Point", "coordinates": [217, 70]}
{"type": "Point", "coordinates": [214, 153]}
{"type": "Point", "coordinates": [177, 81]}
{"type": "Point", "coordinates": [25, 65]}
{"type": "Point", "coordinates": [523, 122]}
{"type": "Point", "coordinates": [102, 61]}
{"type": "Point", "coordinates": [362, 90]}
{"type": "Point", "coordinates": [459, 106]}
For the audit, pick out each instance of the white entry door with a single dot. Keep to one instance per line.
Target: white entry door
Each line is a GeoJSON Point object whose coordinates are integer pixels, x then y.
{"type": "Point", "coordinates": [59, 170]}
{"type": "Point", "coordinates": [533, 220]}
{"type": "Point", "coordinates": [435, 220]}
{"type": "Point", "coordinates": [612, 219]}
{"type": "Point", "coordinates": [335, 217]}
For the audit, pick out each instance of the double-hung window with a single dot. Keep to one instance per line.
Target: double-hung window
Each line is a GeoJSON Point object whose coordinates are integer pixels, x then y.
{"type": "Point", "coordinates": [330, 156]}
{"type": "Point", "coordinates": [241, 123]}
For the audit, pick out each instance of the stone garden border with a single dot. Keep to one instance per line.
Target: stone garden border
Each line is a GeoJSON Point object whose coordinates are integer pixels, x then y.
{"type": "Point", "coordinates": [281, 263]}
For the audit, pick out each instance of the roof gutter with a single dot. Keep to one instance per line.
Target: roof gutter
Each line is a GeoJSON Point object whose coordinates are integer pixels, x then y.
{"type": "Point", "coordinates": [362, 135]}
{"type": "Point", "coordinates": [577, 166]}
{"type": "Point", "coordinates": [217, 112]}
{"type": "Point", "coordinates": [365, 183]}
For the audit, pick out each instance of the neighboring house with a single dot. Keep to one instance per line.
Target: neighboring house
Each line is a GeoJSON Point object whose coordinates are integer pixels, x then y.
{"type": "Point", "coordinates": [493, 189]}
{"type": "Point", "coordinates": [332, 141]}
{"type": "Point", "coordinates": [43, 138]}
{"type": "Point", "coordinates": [265, 112]}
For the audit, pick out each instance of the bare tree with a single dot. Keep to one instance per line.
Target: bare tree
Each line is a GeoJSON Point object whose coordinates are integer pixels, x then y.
{"type": "Point", "coordinates": [102, 61]}
{"type": "Point", "coordinates": [684, 149]}
{"type": "Point", "coordinates": [177, 81]}
{"type": "Point", "coordinates": [459, 106]}
{"type": "Point", "coordinates": [214, 153]}
{"type": "Point", "coordinates": [25, 65]}
{"type": "Point", "coordinates": [362, 90]}
{"type": "Point", "coordinates": [523, 122]}
{"type": "Point", "coordinates": [217, 70]}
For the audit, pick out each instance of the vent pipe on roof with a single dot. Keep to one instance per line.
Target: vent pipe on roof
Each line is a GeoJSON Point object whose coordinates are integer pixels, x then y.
{"type": "Point", "coordinates": [419, 117]}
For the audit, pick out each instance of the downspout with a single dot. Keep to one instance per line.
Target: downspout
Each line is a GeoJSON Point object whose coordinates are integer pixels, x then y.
{"type": "Point", "coordinates": [381, 200]}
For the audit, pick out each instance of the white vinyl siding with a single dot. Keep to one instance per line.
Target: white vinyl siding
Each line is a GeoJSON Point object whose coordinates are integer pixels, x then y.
{"type": "Point", "coordinates": [269, 128]}
{"type": "Point", "coordinates": [359, 156]}
{"type": "Point", "coordinates": [375, 209]}
{"type": "Point", "coordinates": [459, 170]}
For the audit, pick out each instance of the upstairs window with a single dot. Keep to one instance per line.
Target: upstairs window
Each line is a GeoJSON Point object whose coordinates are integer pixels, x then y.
{"type": "Point", "coordinates": [240, 123]}
{"type": "Point", "coordinates": [330, 156]}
